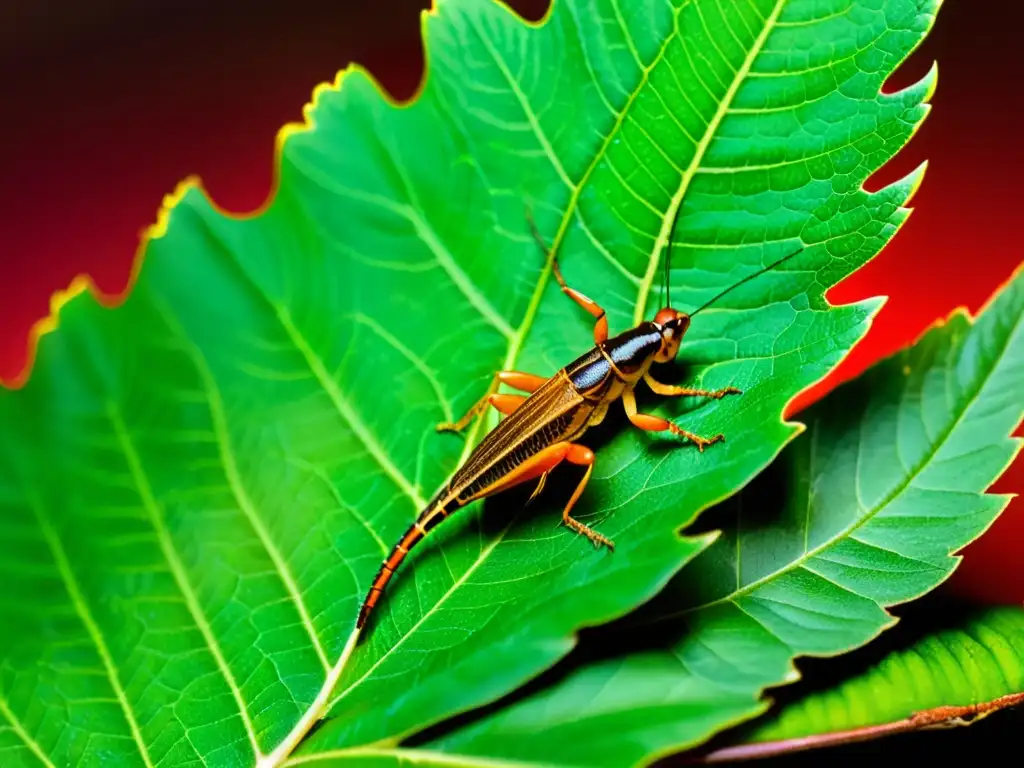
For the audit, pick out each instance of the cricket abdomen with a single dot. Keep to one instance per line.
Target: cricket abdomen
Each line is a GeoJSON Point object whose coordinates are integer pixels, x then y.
{"type": "Point", "coordinates": [554, 413]}
{"type": "Point", "coordinates": [442, 505]}
{"type": "Point", "coordinates": [547, 434]}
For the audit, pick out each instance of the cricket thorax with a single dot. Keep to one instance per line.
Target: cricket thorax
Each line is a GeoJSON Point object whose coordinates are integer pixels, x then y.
{"type": "Point", "coordinates": [633, 350]}
{"type": "Point", "coordinates": [593, 373]}
{"type": "Point", "coordinates": [590, 374]}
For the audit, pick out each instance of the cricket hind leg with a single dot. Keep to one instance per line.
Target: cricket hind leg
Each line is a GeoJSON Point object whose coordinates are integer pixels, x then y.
{"type": "Point", "coordinates": [650, 423]}
{"type": "Point", "coordinates": [588, 304]}
{"type": "Point", "coordinates": [582, 456]}
{"type": "Point", "coordinates": [524, 382]}
{"type": "Point", "coordinates": [540, 465]}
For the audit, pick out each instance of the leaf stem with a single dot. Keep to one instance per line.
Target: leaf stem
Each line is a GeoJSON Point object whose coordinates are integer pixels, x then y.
{"type": "Point", "coordinates": [938, 717]}
{"type": "Point", "coordinates": [313, 713]}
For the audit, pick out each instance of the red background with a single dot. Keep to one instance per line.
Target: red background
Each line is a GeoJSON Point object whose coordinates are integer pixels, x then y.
{"type": "Point", "coordinates": [108, 104]}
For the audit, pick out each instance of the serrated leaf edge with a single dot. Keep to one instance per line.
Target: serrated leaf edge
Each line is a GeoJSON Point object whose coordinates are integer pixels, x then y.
{"type": "Point", "coordinates": [84, 283]}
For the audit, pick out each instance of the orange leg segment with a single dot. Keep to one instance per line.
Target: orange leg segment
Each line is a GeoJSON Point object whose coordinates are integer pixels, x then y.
{"type": "Point", "coordinates": [591, 306]}
{"type": "Point", "coordinates": [506, 403]}
{"type": "Point", "coordinates": [657, 424]}
{"type": "Point", "coordinates": [539, 465]}
{"type": "Point", "coordinates": [524, 382]}
{"type": "Point", "coordinates": [584, 457]}
{"type": "Point", "coordinates": [669, 390]}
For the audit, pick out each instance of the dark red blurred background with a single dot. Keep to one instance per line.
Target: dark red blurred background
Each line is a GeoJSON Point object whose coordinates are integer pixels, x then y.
{"type": "Point", "coordinates": [107, 104]}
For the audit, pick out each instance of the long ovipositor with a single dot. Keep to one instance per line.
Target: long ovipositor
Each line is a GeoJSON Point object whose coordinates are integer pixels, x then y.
{"type": "Point", "coordinates": [540, 430]}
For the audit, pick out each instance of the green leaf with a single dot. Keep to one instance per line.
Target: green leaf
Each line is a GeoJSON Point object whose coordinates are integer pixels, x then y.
{"type": "Point", "coordinates": [861, 513]}
{"type": "Point", "coordinates": [198, 486]}
{"type": "Point", "coordinates": [951, 676]}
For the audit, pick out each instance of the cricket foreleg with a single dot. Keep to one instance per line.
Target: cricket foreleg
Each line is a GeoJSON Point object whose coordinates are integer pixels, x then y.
{"type": "Point", "coordinates": [668, 390]}
{"type": "Point", "coordinates": [524, 382]}
{"type": "Point", "coordinates": [657, 424]}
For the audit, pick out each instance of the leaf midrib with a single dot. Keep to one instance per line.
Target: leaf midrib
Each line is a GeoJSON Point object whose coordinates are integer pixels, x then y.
{"type": "Point", "coordinates": [484, 554]}
{"type": "Point", "coordinates": [519, 338]}
{"type": "Point", "coordinates": [535, 300]}
{"type": "Point", "coordinates": [698, 155]}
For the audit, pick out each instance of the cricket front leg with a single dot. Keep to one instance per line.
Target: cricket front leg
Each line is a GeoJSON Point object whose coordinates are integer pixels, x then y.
{"type": "Point", "coordinates": [669, 390]}
{"type": "Point", "coordinates": [524, 382]}
{"type": "Point", "coordinates": [650, 423]}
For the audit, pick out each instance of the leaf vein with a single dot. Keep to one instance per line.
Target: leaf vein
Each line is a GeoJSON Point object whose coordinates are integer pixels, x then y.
{"type": "Point", "coordinates": [19, 729]}
{"type": "Point", "coordinates": [176, 566]}
{"type": "Point", "coordinates": [82, 609]}
{"type": "Point", "coordinates": [330, 387]}
{"type": "Point", "coordinates": [698, 157]}
{"type": "Point", "coordinates": [869, 513]}
{"type": "Point", "coordinates": [524, 103]}
{"type": "Point", "coordinates": [418, 363]}
{"type": "Point", "coordinates": [484, 554]}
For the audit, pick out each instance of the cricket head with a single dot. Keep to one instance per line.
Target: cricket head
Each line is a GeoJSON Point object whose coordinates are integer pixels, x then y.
{"type": "Point", "coordinates": [672, 325]}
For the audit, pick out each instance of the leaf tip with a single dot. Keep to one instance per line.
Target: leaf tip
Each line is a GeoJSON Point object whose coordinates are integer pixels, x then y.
{"type": "Point", "coordinates": [930, 81]}
{"type": "Point", "coordinates": [875, 304]}
{"type": "Point", "coordinates": [912, 182]}
{"type": "Point", "coordinates": [707, 539]}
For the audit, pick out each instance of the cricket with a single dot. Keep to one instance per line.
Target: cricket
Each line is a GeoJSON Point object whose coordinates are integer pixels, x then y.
{"type": "Point", "coordinates": [542, 427]}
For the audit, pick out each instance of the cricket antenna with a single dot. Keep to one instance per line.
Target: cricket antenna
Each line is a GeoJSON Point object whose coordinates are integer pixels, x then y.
{"type": "Point", "coordinates": [668, 271]}
{"type": "Point", "coordinates": [747, 279]}
{"type": "Point", "coordinates": [668, 255]}
{"type": "Point", "coordinates": [663, 290]}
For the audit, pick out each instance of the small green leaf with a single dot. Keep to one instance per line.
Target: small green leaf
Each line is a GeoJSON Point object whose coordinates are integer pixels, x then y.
{"type": "Point", "coordinates": [952, 676]}
{"type": "Point", "coordinates": [860, 513]}
{"type": "Point", "coordinates": [197, 487]}
{"type": "Point", "coordinates": [945, 665]}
